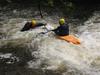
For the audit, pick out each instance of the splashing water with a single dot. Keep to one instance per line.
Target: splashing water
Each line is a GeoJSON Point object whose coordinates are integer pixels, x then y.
{"type": "Point", "coordinates": [54, 54]}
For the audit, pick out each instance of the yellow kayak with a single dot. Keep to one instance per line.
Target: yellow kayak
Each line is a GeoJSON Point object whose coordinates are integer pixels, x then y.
{"type": "Point", "coordinates": [70, 38]}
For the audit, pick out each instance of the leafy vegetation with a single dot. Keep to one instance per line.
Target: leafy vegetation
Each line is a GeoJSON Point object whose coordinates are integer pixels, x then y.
{"type": "Point", "coordinates": [72, 8]}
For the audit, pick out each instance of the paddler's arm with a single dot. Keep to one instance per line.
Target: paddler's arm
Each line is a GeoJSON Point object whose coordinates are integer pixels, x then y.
{"type": "Point", "coordinates": [41, 24]}
{"type": "Point", "coordinates": [56, 30]}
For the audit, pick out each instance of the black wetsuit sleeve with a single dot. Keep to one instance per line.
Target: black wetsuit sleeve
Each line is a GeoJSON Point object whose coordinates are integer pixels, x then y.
{"type": "Point", "coordinates": [27, 26]}
{"type": "Point", "coordinates": [40, 24]}
{"type": "Point", "coordinates": [56, 29]}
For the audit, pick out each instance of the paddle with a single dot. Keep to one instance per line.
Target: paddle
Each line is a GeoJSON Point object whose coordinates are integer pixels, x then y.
{"type": "Point", "coordinates": [45, 32]}
{"type": "Point", "coordinates": [48, 28]}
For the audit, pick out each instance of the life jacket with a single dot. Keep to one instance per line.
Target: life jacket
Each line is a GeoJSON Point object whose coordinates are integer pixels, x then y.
{"type": "Point", "coordinates": [62, 30]}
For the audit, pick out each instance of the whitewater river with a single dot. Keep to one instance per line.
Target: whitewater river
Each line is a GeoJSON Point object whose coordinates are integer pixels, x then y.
{"type": "Point", "coordinates": [27, 53]}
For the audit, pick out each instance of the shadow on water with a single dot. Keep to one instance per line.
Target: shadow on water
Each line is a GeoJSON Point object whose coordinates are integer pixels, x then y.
{"type": "Point", "coordinates": [26, 71]}
{"type": "Point", "coordinates": [14, 57]}
{"type": "Point", "coordinates": [16, 64]}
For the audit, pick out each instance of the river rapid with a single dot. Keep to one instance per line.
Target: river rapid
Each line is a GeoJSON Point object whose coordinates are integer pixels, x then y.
{"type": "Point", "coordinates": [31, 53]}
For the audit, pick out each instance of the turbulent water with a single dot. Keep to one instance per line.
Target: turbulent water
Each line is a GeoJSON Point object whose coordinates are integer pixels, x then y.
{"type": "Point", "coordinates": [30, 53]}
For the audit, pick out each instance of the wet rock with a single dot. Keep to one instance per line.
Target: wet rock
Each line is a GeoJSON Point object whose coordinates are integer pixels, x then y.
{"type": "Point", "coordinates": [8, 59]}
{"type": "Point", "coordinates": [14, 54]}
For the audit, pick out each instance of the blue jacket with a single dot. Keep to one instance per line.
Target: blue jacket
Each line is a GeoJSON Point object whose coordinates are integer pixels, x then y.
{"type": "Point", "coordinates": [62, 30]}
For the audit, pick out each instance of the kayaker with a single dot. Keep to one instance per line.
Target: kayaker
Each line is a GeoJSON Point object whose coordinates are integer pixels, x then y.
{"type": "Point", "coordinates": [63, 33]}
{"type": "Point", "coordinates": [32, 24]}
{"type": "Point", "coordinates": [63, 29]}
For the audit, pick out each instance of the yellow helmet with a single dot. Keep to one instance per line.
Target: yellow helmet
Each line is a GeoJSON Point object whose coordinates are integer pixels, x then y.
{"type": "Point", "coordinates": [33, 22]}
{"type": "Point", "coordinates": [61, 21]}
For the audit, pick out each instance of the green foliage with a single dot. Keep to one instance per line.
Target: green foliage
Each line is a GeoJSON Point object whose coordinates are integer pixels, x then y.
{"type": "Point", "coordinates": [51, 3]}
{"type": "Point", "coordinates": [46, 2]}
